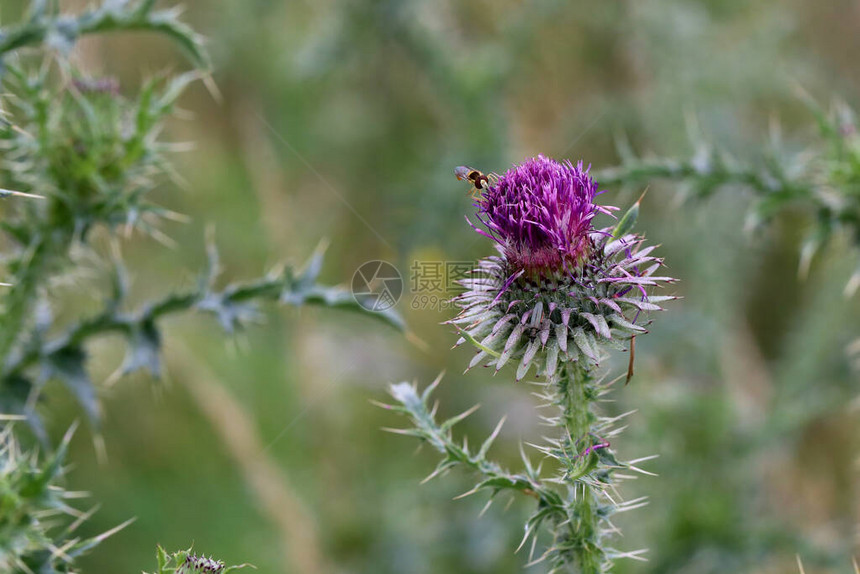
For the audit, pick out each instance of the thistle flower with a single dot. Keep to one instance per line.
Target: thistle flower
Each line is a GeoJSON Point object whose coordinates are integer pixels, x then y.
{"type": "Point", "coordinates": [559, 286]}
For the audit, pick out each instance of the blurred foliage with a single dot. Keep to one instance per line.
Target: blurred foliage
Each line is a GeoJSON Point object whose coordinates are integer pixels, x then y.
{"type": "Point", "coordinates": [91, 158]}
{"type": "Point", "coordinates": [83, 161]}
{"type": "Point", "coordinates": [822, 179]}
{"type": "Point", "coordinates": [344, 120]}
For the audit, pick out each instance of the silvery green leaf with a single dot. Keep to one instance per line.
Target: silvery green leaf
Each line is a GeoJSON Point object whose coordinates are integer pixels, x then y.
{"type": "Point", "coordinates": [661, 298]}
{"type": "Point", "coordinates": [312, 269]}
{"type": "Point", "coordinates": [537, 315]}
{"type": "Point", "coordinates": [494, 337]}
{"type": "Point", "coordinates": [230, 314]}
{"type": "Point", "coordinates": [528, 356]}
{"type": "Point", "coordinates": [514, 338]}
{"type": "Point", "coordinates": [485, 447]}
{"type": "Point", "coordinates": [627, 222]}
{"type": "Point", "coordinates": [406, 394]}
{"type": "Point", "coordinates": [622, 323]}
{"type": "Point", "coordinates": [478, 358]}
{"type": "Point", "coordinates": [616, 245]}
{"type": "Point", "coordinates": [599, 324]}
{"type": "Point", "coordinates": [582, 341]}
{"type": "Point", "coordinates": [37, 9]}
{"type": "Point", "coordinates": [67, 366]}
{"type": "Point", "coordinates": [595, 347]}
{"type": "Point", "coordinates": [611, 304]}
{"type": "Point", "coordinates": [503, 321]}
{"type": "Point", "coordinates": [115, 6]}
{"type": "Point", "coordinates": [511, 346]}
{"type": "Point", "coordinates": [561, 337]}
{"type": "Point", "coordinates": [63, 35]}
{"type": "Point", "coordinates": [144, 349]}
{"type": "Point", "coordinates": [552, 358]}
{"type": "Point", "coordinates": [615, 343]}
{"type": "Point", "coordinates": [641, 304]}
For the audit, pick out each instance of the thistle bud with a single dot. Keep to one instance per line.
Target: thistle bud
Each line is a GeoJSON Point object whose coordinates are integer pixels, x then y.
{"type": "Point", "coordinates": [194, 564]}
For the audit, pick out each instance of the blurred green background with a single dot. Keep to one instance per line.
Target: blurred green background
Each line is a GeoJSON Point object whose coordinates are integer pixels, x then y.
{"type": "Point", "coordinates": [343, 120]}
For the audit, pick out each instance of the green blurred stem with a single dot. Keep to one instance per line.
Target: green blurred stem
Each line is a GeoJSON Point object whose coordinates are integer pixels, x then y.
{"type": "Point", "coordinates": [576, 396]}
{"type": "Point", "coordinates": [34, 269]}
{"type": "Point", "coordinates": [36, 30]}
{"type": "Point", "coordinates": [646, 170]}
{"type": "Point", "coordinates": [708, 175]}
{"type": "Point", "coordinates": [494, 477]}
{"type": "Point", "coordinates": [112, 321]}
{"type": "Point", "coordinates": [136, 17]}
{"type": "Point", "coordinates": [18, 304]}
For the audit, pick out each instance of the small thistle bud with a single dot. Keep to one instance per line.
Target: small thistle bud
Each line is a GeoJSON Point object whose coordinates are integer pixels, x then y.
{"type": "Point", "coordinates": [194, 564]}
{"type": "Point", "coordinates": [186, 562]}
{"type": "Point", "coordinates": [560, 288]}
{"type": "Point", "coordinates": [107, 85]}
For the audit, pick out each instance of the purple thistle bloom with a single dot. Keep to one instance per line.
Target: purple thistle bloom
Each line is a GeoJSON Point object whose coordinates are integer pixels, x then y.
{"type": "Point", "coordinates": [540, 213]}
{"type": "Point", "coordinates": [561, 289]}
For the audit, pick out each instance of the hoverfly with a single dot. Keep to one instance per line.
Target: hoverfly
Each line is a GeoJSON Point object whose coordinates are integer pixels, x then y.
{"type": "Point", "coordinates": [478, 179]}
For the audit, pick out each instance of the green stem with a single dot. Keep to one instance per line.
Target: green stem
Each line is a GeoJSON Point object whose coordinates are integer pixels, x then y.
{"type": "Point", "coordinates": [580, 536]}
{"type": "Point", "coordinates": [34, 269]}
{"type": "Point", "coordinates": [570, 506]}
{"type": "Point", "coordinates": [138, 17]}
{"type": "Point", "coordinates": [709, 177]}
{"type": "Point", "coordinates": [283, 288]}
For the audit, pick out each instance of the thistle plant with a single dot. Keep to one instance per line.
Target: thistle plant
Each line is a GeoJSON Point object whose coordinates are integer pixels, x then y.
{"type": "Point", "coordinates": [79, 159]}
{"type": "Point", "coordinates": [559, 294]}
{"type": "Point", "coordinates": [83, 158]}
{"type": "Point", "coordinates": [92, 155]}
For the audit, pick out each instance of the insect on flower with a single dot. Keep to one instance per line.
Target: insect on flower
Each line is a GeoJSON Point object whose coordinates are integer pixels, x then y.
{"type": "Point", "coordinates": [478, 179]}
